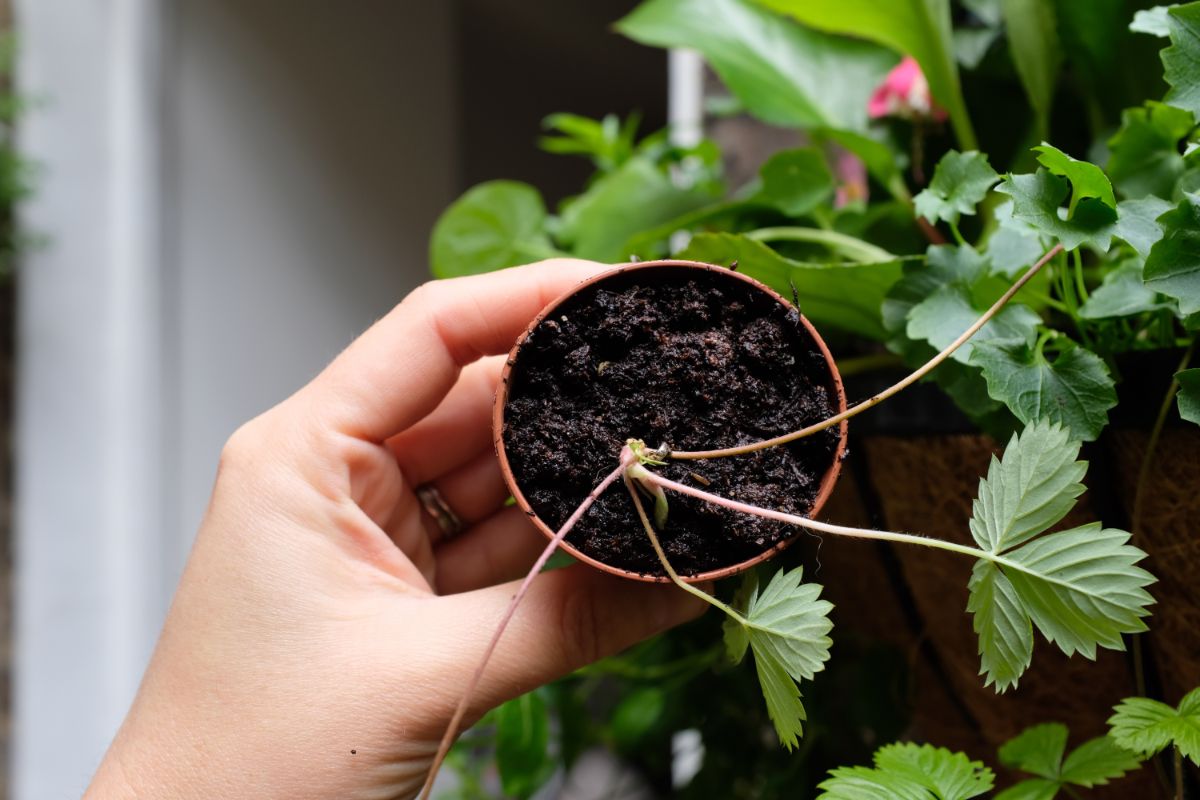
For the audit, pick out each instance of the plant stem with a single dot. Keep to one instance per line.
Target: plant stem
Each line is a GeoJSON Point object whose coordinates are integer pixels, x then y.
{"type": "Point", "coordinates": [958, 237]}
{"type": "Point", "coordinates": [451, 733]}
{"type": "Point", "coordinates": [662, 556]}
{"type": "Point", "coordinates": [854, 249]}
{"type": "Point", "coordinates": [1178, 774]}
{"type": "Point", "coordinates": [1080, 286]}
{"type": "Point", "coordinates": [886, 393]}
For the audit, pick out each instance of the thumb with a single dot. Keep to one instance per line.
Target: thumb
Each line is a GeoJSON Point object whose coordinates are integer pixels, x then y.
{"type": "Point", "coordinates": [569, 618]}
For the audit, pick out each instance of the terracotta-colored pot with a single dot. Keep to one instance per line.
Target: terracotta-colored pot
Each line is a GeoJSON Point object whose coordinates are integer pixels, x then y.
{"type": "Point", "coordinates": [827, 481]}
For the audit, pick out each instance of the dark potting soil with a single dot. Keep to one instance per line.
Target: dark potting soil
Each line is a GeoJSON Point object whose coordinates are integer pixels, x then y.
{"type": "Point", "coordinates": [695, 359]}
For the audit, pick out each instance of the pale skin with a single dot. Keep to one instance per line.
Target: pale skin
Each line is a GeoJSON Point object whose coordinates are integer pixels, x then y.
{"type": "Point", "coordinates": [323, 630]}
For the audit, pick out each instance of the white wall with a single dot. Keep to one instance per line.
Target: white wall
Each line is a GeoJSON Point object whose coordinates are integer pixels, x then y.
{"type": "Point", "coordinates": [231, 190]}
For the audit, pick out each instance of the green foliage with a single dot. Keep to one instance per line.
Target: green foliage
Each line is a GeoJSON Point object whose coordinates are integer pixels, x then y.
{"type": "Point", "coordinates": [786, 626]}
{"type": "Point", "coordinates": [950, 310]}
{"type": "Point", "coordinates": [1144, 157]}
{"type": "Point", "coordinates": [919, 28]}
{"type": "Point", "coordinates": [1036, 53]}
{"type": "Point", "coordinates": [1173, 266]}
{"type": "Point", "coordinates": [1039, 751]}
{"type": "Point", "coordinates": [494, 225]}
{"type": "Point", "coordinates": [1081, 587]}
{"type": "Point", "coordinates": [910, 772]}
{"type": "Point", "coordinates": [783, 73]}
{"type": "Point", "coordinates": [522, 736]}
{"type": "Point", "coordinates": [1189, 394]}
{"type": "Point", "coordinates": [1147, 726]}
{"type": "Point", "coordinates": [1037, 199]}
{"type": "Point", "coordinates": [796, 181]}
{"type": "Point", "coordinates": [608, 142]}
{"type": "Point", "coordinates": [1181, 61]}
{"type": "Point", "coordinates": [1153, 21]}
{"type": "Point", "coordinates": [960, 182]}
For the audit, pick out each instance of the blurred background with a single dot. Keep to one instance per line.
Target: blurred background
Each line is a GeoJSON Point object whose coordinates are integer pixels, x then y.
{"type": "Point", "coordinates": [225, 192]}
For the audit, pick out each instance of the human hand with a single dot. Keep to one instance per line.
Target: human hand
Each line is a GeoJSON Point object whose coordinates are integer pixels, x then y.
{"type": "Point", "coordinates": [322, 634]}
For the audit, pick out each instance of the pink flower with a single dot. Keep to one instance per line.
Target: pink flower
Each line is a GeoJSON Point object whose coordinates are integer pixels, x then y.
{"type": "Point", "coordinates": [905, 93]}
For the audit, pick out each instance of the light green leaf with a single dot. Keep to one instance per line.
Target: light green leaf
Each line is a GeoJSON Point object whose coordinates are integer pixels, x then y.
{"type": "Point", "coordinates": [1144, 157]}
{"type": "Point", "coordinates": [1189, 394]}
{"type": "Point", "coordinates": [1036, 200]}
{"type": "Point", "coordinates": [1081, 587]}
{"type": "Point", "coordinates": [796, 181]}
{"type": "Point", "coordinates": [1137, 224]}
{"type": "Point", "coordinates": [788, 627]}
{"type": "Point", "coordinates": [493, 225]}
{"type": "Point", "coordinates": [636, 715]}
{"type": "Point", "coordinates": [1152, 21]}
{"type": "Point", "coordinates": [1075, 389]}
{"type": "Point", "coordinates": [737, 640]}
{"type": "Point", "coordinates": [844, 296]}
{"type": "Point", "coordinates": [940, 318]}
{"type": "Point", "coordinates": [1098, 761]}
{"type": "Point", "coordinates": [943, 264]}
{"type": "Point", "coordinates": [910, 772]}
{"type": "Point", "coordinates": [1004, 629]}
{"type": "Point", "coordinates": [1029, 489]}
{"type": "Point", "coordinates": [522, 736]}
{"type": "Point", "coordinates": [783, 73]}
{"type": "Point", "coordinates": [1088, 182]}
{"type": "Point", "coordinates": [919, 28]}
{"type": "Point", "coordinates": [1122, 294]}
{"type": "Point", "coordinates": [1147, 726]}
{"type": "Point", "coordinates": [1173, 266]}
{"type": "Point", "coordinates": [1036, 53]}
{"type": "Point", "coordinates": [1033, 789]}
{"type": "Point", "coordinates": [1181, 61]}
{"type": "Point", "coordinates": [960, 182]}
{"type": "Point", "coordinates": [1037, 750]}
{"type": "Point", "coordinates": [1013, 245]}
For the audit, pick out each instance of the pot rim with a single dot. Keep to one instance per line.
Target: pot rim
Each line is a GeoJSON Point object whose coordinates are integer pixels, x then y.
{"type": "Point", "coordinates": [828, 480]}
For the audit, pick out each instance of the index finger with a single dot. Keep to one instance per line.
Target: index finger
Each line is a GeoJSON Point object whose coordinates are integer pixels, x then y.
{"type": "Point", "coordinates": [398, 371]}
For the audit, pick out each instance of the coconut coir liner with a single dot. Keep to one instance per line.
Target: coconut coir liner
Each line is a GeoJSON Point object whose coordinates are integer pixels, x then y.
{"type": "Point", "coordinates": [696, 359]}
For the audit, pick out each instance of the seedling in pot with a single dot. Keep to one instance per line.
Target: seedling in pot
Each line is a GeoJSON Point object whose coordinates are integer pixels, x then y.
{"type": "Point", "coordinates": [1081, 587]}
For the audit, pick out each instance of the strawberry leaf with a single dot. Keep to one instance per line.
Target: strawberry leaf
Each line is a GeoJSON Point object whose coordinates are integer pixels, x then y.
{"type": "Point", "coordinates": [1147, 726]}
{"type": "Point", "coordinates": [1039, 751]}
{"type": "Point", "coordinates": [960, 182]}
{"type": "Point", "coordinates": [910, 772]}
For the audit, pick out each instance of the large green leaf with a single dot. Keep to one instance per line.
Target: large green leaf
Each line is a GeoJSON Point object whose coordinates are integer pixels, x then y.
{"type": "Point", "coordinates": [1039, 751]}
{"type": "Point", "coordinates": [1036, 202]}
{"type": "Point", "coordinates": [1088, 182]}
{"type": "Point", "coordinates": [493, 225]}
{"type": "Point", "coordinates": [910, 772]}
{"type": "Point", "coordinates": [1004, 629]}
{"type": "Point", "coordinates": [1013, 245]}
{"type": "Point", "coordinates": [1144, 157]}
{"type": "Point", "coordinates": [960, 182]}
{"type": "Point", "coordinates": [1173, 266]}
{"type": "Point", "coordinates": [942, 317]}
{"type": "Point", "coordinates": [787, 628]}
{"type": "Point", "coordinates": [796, 181]}
{"type": "Point", "coordinates": [636, 196]}
{"type": "Point", "coordinates": [1075, 389]}
{"type": "Point", "coordinates": [1181, 61]}
{"type": "Point", "coordinates": [522, 736]}
{"type": "Point", "coordinates": [845, 296]}
{"type": "Point", "coordinates": [783, 73]}
{"type": "Point", "coordinates": [1122, 294]}
{"type": "Point", "coordinates": [1137, 224]}
{"type": "Point", "coordinates": [1147, 726]}
{"type": "Point", "coordinates": [1033, 42]}
{"type": "Point", "coordinates": [1189, 394]}
{"type": "Point", "coordinates": [919, 28]}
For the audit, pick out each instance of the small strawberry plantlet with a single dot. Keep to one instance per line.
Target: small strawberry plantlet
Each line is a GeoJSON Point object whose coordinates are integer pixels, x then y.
{"type": "Point", "coordinates": [1147, 726]}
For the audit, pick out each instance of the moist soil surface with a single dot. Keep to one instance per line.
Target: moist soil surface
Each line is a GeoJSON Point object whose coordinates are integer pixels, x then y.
{"type": "Point", "coordinates": [696, 359]}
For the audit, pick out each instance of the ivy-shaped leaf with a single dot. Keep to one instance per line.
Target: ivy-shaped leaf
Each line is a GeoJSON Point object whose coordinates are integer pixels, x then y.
{"type": "Point", "coordinates": [960, 182]}
{"type": "Point", "coordinates": [1147, 726]}
{"type": "Point", "coordinates": [493, 225]}
{"type": "Point", "coordinates": [910, 772]}
{"type": "Point", "coordinates": [1181, 61]}
{"type": "Point", "coordinates": [1122, 294]}
{"type": "Point", "coordinates": [940, 318]}
{"type": "Point", "coordinates": [1138, 226]}
{"type": "Point", "coordinates": [1075, 389]}
{"type": "Point", "coordinates": [796, 181]}
{"type": "Point", "coordinates": [1088, 182]}
{"type": "Point", "coordinates": [1039, 751]}
{"type": "Point", "coordinates": [786, 627]}
{"type": "Point", "coordinates": [1173, 266]}
{"type": "Point", "coordinates": [1081, 588]}
{"type": "Point", "coordinates": [1014, 244]}
{"type": "Point", "coordinates": [1036, 201]}
{"type": "Point", "coordinates": [1189, 394]}
{"type": "Point", "coordinates": [1144, 157]}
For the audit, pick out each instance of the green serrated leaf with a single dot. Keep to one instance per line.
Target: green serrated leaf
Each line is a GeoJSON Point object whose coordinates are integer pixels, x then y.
{"type": "Point", "coordinates": [845, 296]}
{"type": "Point", "coordinates": [522, 736]}
{"type": "Point", "coordinates": [1144, 157]}
{"type": "Point", "coordinates": [1037, 750]}
{"type": "Point", "coordinates": [1189, 394]}
{"type": "Point", "coordinates": [1138, 226]}
{"type": "Point", "coordinates": [943, 264]}
{"type": "Point", "coordinates": [788, 629]}
{"type": "Point", "coordinates": [960, 182]}
{"type": "Point", "coordinates": [1075, 389]}
{"type": "Point", "coordinates": [1004, 630]}
{"type": "Point", "coordinates": [493, 225]}
{"type": "Point", "coordinates": [1122, 294]}
{"type": "Point", "coordinates": [735, 635]}
{"type": "Point", "coordinates": [1152, 21]}
{"type": "Point", "coordinates": [796, 181]}
{"type": "Point", "coordinates": [1181, 61]}
{"type": "Point", "coordinates": [910, 771]}
{"type": "Point", "coordinates": [1173, 266]}
{"type": "Point", "coordinates": [1088, 182]}
{"type": "Point", "coordinates": [1013, 245]}
{"type": "Point", "coordinates": [783, 73]}
{"type": "Point", "coordinates": [1098, 761]}
{"type": "Point", "coordinates": [1037, 199]}
{"type": "Point", "coordinates": [940, 318]}
{"type": "Point", "coordinates": [1033, 789]}
{"type": "Point", "coordinates": [1147, 726]}
{"type": "Point", "coordinates": [1033, 486]}
{"type": "Point", "coordinates": [1082, 587]}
